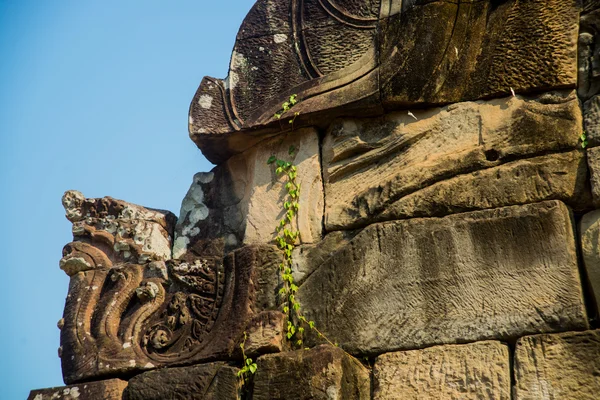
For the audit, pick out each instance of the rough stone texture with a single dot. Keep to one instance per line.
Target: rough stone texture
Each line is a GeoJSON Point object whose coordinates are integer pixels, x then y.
{"type": "Point", "coordinates": [590, 246]}
{"type": "Point", "coordinates": [588, 84]}
{"type": "Point", "coordinates": [108, 231]}
{"type": "Point", "coordinates": [493, 274]}
{"type": "Point", "coordinates": [136, 317]}
{"type": "Point", "coordinates": [474, 371]}
{"type": "Point", "coordinates": [322, 51]}
{"type": "Point", "coordinates": [443, 52]}
{"type": "Point", "coordinates": [266, 334]}
{"type": "Point", "coordinates": [442, 160]}
{"type": "Point", "coordinates": [239, 203]}
{"type": "Point", "coordinates": [215, 381]}
{"type": "Point", "coordinates": [338, 56]}
{"type": "Point", "coordinates": [593, 159]}
{"type": "Point", "coordinates": [562, 366]}
{"type": "Point", "coordinates": [307, 258]}
{"type": "Point", "coordinates": [110, 389]}
{"type": "Point", "coordinates": [324, 372]}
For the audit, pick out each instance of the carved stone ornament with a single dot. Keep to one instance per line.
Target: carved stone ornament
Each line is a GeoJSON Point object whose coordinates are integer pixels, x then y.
{"type": "Point", "coordinates": [362, 57]}
{"type": "Point", "coordinates": [124, 316]}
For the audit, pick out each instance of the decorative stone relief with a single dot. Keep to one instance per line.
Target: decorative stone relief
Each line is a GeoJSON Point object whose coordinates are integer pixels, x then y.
{"type": "Point", "coordinates": [108, 231]}
{"type": "Point", "coordinates": [124, 317]}
{"type": "Point", "coordinates": [356, 57]}
{"type": "Point", "coordinates": [589, 75]}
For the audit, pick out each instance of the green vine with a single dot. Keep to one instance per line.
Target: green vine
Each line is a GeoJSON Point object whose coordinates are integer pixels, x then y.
{"type": "Point", "coordinates": [287, 239]}
{"type": "Point", "coordinates": [584, 139]}
{"type": "Point", "coordinates": [249, 367]}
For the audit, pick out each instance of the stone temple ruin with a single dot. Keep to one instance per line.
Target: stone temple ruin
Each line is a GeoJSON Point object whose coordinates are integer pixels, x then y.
{"type": "Point", "coordinates": [449, 216]}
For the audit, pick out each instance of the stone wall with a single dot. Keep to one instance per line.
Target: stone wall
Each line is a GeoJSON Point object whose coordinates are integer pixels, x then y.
{"type": "Point", "coordinates": [449, 216]}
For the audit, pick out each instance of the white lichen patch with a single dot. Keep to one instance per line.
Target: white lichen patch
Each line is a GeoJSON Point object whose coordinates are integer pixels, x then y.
{"type": "Point", "coordinates": [279, 38]}
{"type": "Point", "coordinates": [38, 397]}
{"type": "Point", "coordinates": [132, 363]}
{"type": "Point", "coordinates": [180, 246]}
{"type": "Point", "coordinates": [261, 49]}
{"type": "Point", "coordinates": [191, 120]}
{"type": "Point", "coordinates": [205, 101]}
{"type": "Point", "coordinates": [149, 365]}
{"type": "Point", "coordinates": [126, 345]}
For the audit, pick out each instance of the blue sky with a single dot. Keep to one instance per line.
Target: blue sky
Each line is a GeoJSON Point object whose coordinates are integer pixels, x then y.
{"type": "Point", "coordinates": [94, 97]}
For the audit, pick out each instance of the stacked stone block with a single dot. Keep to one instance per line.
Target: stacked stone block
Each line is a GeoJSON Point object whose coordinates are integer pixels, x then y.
{"type": "Point", "coordinates": [449, 218]}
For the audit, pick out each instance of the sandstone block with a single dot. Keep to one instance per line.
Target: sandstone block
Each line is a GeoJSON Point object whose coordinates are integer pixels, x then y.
{"type": "Point", "coordinates": [214, 381]}
{"type": "Point", "coordinates": [360, 57]}
{"type": "Point", "coordinates": [558, 366]}
{"type": "Point", "coordinates": [474, 371]}
{"type": "Point", "coordinates": [492, 274]}
{"type": "Point", "coordinates": [593, 160]}
{"type": "Point", "coordinates": [590, 247]}
{"type": "Point", "coordinates": [323, 372]}
{"type": "Point", "coordinates": [241, 201]}
{"type": "Point", "coordinates": [110, 389]}
{"type": "Point", "coordinates": [266, 333]}
{"type": "Point", "coordinates": [132, 318]}
{"type": "Point", "coordinates": [443, 52]}
{"type": "Point", "coordinates": [108, 231]}
{"type": "Point", "coordinates": [443, 160]}
{"type": "Point", "coordinates": [588, 84]}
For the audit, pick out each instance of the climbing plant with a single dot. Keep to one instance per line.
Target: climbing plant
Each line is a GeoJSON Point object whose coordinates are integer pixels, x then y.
{"type": "Point", "coordinates": [287, 239]}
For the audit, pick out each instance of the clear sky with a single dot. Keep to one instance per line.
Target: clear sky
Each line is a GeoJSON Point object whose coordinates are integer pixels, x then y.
{"type": "Point", "coordinates": [94, 96]}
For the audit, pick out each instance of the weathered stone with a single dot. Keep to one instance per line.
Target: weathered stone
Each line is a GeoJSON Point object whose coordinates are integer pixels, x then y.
{"type": "Point", "coordinates": [558, 366]}
{"type": "Point", "coordinates": [328, 54]}
{"type": "Point", "coordinates": [443, 52]}
{"type": "Point", "coordinates": [492, 274]}
{"type": "Point", "coordinates": [588, 84]}
{"type": "Point", "coordinates": [110, 389]}
{"type": "Point", "coordinates": [241, 201]}
{"type": "Point", "coordinates": [590, 246]}
{"type": "Point", "coordinates": [593, 160]}
{"type": "Point", "coordinates": [134, 317]}
{"type": "Point", "coordinates": [322, 52]}
{"type": "Point", "coordinates": [591, 121]}
{"type": "Point", "coordinates": [215, 381]}
{"type": "Point", "coordinates": [472, 371]}
{"type": "Point", "coordinates": [443, 160]}
{"type": "Point", "coordinates": [307, 258]}
{"type": "Point", "coordinates": [561, 176]}
{"type": "Point", "coordinates": [108, 231]}
{"type": "Point", "coordinates": [590, 5]}
{"type": "Point", "coordinates": [265, 333]}
{"type": "Point", "coordinates": [324, 372]}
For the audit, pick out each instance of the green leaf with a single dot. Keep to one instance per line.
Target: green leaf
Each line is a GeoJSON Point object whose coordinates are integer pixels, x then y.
{"type": "Point", "coordinates": [299, 342]}
{"type": "Point", "coordinates": [296, 306]}
{"type": "Point", "coordinates": [252, 368]}
{"type": "Point", "coordinates": [271, 160]}
{"type": "Point", "coordinates": [311, 324]}
{"type": "Point", "coordinates": [291, 150]}
{"type": "Point", "coordinates": [289, 335]}
{"type": "Point", "coordinates": [286, 309]}
{"type": "Point", "coordinates": [301, 330]}
{"type": "Point", "coordinates": [279, 170]}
